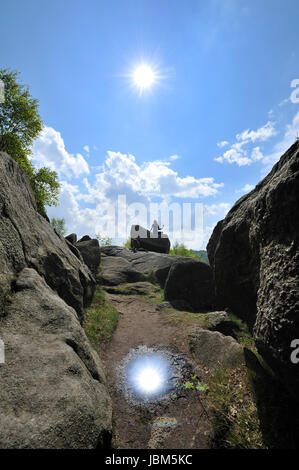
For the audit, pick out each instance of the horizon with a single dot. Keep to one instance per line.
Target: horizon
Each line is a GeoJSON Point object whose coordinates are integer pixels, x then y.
{"type": "Point", "coordinates": [163, 103]}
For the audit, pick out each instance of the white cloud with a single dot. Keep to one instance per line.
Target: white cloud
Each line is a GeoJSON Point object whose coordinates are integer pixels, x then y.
{"type": "Point", "coordinates": [86, 148]}
{"type": "Point", "coordinates": [246, 188]}
{"type": "Point", "coordinates": [49, 150]}
{"type": "Point", "coordinates": [222, 144]}
{"type": "Point", "coordinates": [234, 156]}
{"type": "Point", "coordinates": [220, 209]}
{"type": "Point", "coordinates": [256, 154]}
{"type": "Point", "coordinates": [291, 131]}
{"type": "Point", "coordinates": [174, 157]}
{"type": "Point", "coordinates": [121, 175]}
{"type": "Point", "coordinates": [263, 133]}
{"type": "Point", "coordinates": [239, 154]}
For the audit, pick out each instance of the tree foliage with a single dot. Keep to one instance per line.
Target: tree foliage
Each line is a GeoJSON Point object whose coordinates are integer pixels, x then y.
{"type": "Point", "coordinates": [20, 124]}
{"type": "Point", "coordinates": [59, 225]}
{"type": "Point", "coordinates": [103, 240]}
{"type": "Point", "coordinates": [127, 243]}
{"type": "Point", "coordinates": [181, 250]}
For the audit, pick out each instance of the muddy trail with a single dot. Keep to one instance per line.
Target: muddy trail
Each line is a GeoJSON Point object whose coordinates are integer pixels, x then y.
{"type": "Point", "coordinates": [177, 419]}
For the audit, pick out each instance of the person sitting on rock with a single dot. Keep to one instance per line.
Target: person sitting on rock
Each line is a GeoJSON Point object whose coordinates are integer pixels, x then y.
{"type": "Point", "coordinates": [156, 229]}
{"type": "Point", "coordinates": [135, 244]}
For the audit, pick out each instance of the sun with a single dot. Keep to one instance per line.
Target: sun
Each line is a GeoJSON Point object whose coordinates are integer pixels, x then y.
{"type": "Point", "coordinates": [149, 379]}
{"type": "Point", "coordinates": [144, 76]}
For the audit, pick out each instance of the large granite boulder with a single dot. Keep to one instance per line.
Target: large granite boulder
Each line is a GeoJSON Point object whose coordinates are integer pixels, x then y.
{"type": "Point", "coordinates": [27, 239]}
{"type": "Point", "coordinates": [91, 253]}
{"type": "Point", "coordinates": [143, 238]}
{"type": "Point", "coordinates": [116, 270]}
{"type": "Point", "coordinates": [191, 282]}
{"type": "Point", "coordinates": [53, 392]}
{"type": "Point", "coordinates": [254, 255]}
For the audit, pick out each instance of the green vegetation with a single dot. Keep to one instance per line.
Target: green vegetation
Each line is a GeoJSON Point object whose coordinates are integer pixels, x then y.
{"type": "Point", "coordinates": [150, 277]}
{"type": "Point", "coordinates": [200, 388]}
{"type": "Point", "coordinates": [196, 384]}
{"type": "Point", "coordinates": [181, 318]}
{"type": "Point", "coordinates": [20, 124]}
{"type": "Point", "coordinates": [127, 243]}
{"type": "Point", "coordinates": [181, 250]}
{"type": "Point", "coordinates": [59, 225]}
{"type": "Point", "coordinates": [100, 319]}
{"type": "Point", "coordinates": [242, 332]}
{"type": "Point", "coordinates": [103, 240]}
{"type": "Point", "coordinates": [143, 288]}
{"type": "Point", "coordinates": [235, 417]}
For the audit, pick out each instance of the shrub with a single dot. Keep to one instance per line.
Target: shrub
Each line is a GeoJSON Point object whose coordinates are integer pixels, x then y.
{"type": "Point", "coordinates": [180, 249]}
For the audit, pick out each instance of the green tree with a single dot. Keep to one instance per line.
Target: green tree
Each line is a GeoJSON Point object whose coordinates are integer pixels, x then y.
{"type": "Point", "coordinates": [103, 240]}
{"type": "Point", "coordinates": [59, 225]}
{"type": "Point", "coordinates": [181, 250]}
{"type": "Point", "coordinates": [45, 187]}
{"type": "Point", "coordinates": [20, 124]}
{"type": "Point", "coordinates": [127, 243]}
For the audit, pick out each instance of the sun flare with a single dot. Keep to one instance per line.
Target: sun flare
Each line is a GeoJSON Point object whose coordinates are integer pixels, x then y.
{"type": "Point", "coordinates": [144, 76]}
{"type": "Point", "coordinates": [149, 379]}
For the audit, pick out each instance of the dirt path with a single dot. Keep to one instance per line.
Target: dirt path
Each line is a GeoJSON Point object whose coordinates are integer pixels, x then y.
{"type": "Point", "coordinates": [179, 422]}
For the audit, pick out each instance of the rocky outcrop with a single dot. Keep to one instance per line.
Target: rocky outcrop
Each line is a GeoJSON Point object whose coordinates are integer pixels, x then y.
{"type": "Point", "coordinates": [220, 321]}
{"type": "Point", "coordinates": [53, 392]}
{"type": "Point", "coordinates": [146, 263]}
{"type": "Point", "coordinates": [190, 281]}
{"type": "Point", "coordinates": [254, 256]}
{"type": "Point", "coordinates": [86, 238]}
{"type": "Point", "coordinates": [91, 253]}
{"type": "Point", "coordinates": [143, 238]}
{"type": "Point", "coordinates": [116, 270]}
{"type": "Point", "coordinates": [27, 239]}
{"type": "Point", "coordinates": [214, 350]}
{"type": "Point", "coordinates": [72, 237]}
{"type": "Point", "coordinates": [87, 250]}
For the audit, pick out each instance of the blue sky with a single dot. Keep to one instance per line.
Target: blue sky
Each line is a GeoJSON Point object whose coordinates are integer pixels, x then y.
{"type": "Point", "coordinates": [206, 132]}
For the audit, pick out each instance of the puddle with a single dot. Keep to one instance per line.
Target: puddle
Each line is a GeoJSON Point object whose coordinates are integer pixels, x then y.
{"type": "Point", "coordinates": [151, 375]}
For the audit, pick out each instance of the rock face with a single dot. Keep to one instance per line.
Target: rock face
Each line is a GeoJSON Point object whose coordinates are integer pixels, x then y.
{"type": "Point", "coordinates": [27, 239]}
{"type": "Point", "coordinates": [254, 256]}
{"type": "Point", "coordinates": [143, 238]}
{"type": "Point", "coordinates": [91, 253]}
{"type": "Point", "coordinates": [53, 392]}
{"type": "Point", "coordinates": [190, 281]}
{"type": "Point", "coordinates": [215, 350]}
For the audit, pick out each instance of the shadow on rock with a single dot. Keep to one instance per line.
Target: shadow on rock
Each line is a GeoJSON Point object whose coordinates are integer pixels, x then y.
{"type": "Point", "coordinates": [278, 411]}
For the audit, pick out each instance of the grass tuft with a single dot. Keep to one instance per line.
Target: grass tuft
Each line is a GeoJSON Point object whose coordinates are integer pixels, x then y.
{"type": "Point", "coordinates": [235, 415]}
{"type": "Point", "coordinates": [100, 319]}
{"type": "Point", "coordinates": [242, 333]}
